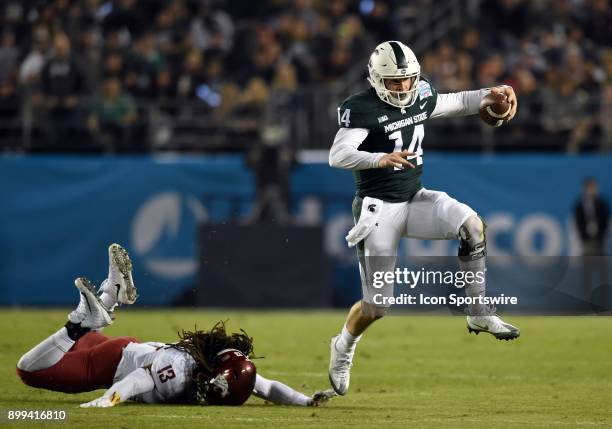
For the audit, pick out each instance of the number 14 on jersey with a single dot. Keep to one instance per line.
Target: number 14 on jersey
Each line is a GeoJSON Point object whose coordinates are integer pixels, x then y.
{"type": "Point", "coordinates": [415, 144]}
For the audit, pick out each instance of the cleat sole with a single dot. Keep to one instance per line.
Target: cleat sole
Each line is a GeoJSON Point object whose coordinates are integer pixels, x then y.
{"type": "Point", "coordinates": [122, 260]}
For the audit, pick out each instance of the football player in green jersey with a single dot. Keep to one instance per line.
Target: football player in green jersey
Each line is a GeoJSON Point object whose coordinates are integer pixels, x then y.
{"type": "Point", "coordinates": [380, 138]}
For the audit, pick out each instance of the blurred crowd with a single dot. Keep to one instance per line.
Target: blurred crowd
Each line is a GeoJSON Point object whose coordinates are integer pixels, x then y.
{"type": "Point", "coordinates": [96, 75]}
{"type": "Point", "coordinates": [556, 54]}
{"type": "Point", "coordinates": [86, 67]}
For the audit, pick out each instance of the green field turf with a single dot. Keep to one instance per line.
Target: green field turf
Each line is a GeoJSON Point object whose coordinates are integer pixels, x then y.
{"type": "Point", "coordinates": [421, 372]}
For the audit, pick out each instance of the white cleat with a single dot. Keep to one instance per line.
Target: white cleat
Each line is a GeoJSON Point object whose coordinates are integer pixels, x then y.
{"type": "Point", "coordinates": [321, 397]}
{"type": "Point", "coordinates": [340, 364]}
{"type": "Point", "coordinates": [494, 326]}
{"type": "Point", "coordinates": [91, 312]}
{"type": "Point", "coordinates": [77, 315]}
{"type": "Point", "coordinates": [119, 284]}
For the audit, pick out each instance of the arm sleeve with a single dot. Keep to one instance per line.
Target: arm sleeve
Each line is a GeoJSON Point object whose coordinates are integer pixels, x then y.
{"type": "Point", "coordinates": [135, 383]}
{"type": "Point", "coordinates": [458, 103]}
{"type": "Point", "coordinates": [279, 393]}
{"type": "Point", "coordinates": [344, 152]}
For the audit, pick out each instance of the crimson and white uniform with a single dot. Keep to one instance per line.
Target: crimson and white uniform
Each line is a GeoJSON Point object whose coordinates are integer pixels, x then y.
{"type": "Point", "coordinates": [169, 379]}
{"type": "Point", "coordinates": [145, 372]}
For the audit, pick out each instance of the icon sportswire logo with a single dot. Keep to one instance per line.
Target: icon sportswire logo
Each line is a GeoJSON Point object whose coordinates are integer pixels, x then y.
{"type": "Point", "coordinates": [163, 230]}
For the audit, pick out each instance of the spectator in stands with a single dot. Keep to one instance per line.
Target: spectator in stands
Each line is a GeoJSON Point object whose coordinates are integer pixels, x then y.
{"type": "Point", "coordinates": [143, 67]}
{"type": "Point", "coordinates": [524, 82]}
{"type": "Point", "coordinates": [596, 21]}
{"type": "Point", "coordinates": [212, 29]}
{"type": "Point", "coordinates": [604, 118]}
{"type": "Point", "coordinates": [377, 15]}
{"type": "Point", "coordinates": [564, 111]}
{"type": "Point", "coordinates": [63, 87]}
{"type": "Point", "coordinates": [248, 112]}
{"type": "Point", "coordinates": [9, 99]}
{"type": "Point", "coordinates": [192, 75]}
{"type": "Point", "coordinates": [113, 118]}
{"type": "Point", "coordinates": [265, 56]}
{"type": "Point", "coordinates": [33, 62]}
{"type": "Point", "coordinates": [113, 64]}
{"type": "Point", "coordinates": [452, 70]}
{"type": "Point", "coordinates": [195, 97]}
{"type": "Point", "coordinates": [294, 33]}
{"type": "Point", "coordinates": [349, 44]}
{"type": "Point", "coordinates": [491, 70]}
{"type": "Point", "coordinates": [170, 33]}
{"type": "Point", "coordinates": [9, 56]}
{"type": "Point", "coordinates": [126, 19]}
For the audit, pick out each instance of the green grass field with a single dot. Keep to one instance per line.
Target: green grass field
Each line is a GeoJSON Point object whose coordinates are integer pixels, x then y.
{"type": "Point", "coordinates": [423, 372]}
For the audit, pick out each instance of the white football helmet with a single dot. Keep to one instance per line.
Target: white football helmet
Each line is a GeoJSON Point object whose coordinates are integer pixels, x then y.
{"type": "Point", "coordinates": [394, 60]}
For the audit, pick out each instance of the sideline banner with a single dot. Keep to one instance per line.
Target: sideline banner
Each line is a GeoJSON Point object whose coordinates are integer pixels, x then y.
{"type": "Point", "coordinates": [59, 213]}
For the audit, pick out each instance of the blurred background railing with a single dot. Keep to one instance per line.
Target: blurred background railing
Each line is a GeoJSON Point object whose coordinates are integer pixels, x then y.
{"type": "Point", "coordinates": [305, 119]}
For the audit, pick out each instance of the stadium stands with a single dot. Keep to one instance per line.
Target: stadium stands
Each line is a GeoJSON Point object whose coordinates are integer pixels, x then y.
{"type": "Point", "coordinates": [190, 75]}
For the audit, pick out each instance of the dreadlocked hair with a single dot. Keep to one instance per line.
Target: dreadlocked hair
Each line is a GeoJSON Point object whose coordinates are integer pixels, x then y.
{"type": "Point", "coordinates": [204, 346]}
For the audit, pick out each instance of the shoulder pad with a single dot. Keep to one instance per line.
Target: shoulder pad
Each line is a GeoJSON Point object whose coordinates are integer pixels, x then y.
{"type": "Point", "coordinates": [360, 110]}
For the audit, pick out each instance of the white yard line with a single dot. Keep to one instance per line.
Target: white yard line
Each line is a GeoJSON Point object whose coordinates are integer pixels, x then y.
{"type": "Point", "coordinates": [320, 418]}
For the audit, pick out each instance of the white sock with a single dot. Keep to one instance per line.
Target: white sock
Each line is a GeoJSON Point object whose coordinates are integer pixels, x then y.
{"type": "Point", "coordinates": [47, 353]}
{"type": "Point", "coordinates": [347, 342]}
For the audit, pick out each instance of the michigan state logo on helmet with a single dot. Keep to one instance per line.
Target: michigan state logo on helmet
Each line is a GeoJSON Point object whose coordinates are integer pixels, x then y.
{"type": "Point", "coordinates": [394, 60]}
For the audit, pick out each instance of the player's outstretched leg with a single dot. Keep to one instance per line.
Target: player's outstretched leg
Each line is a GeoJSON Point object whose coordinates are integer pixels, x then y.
{"type": "Point", "coordinates": [76, 358]}
{"type": "Point", "coordinates": [119, 287]}
{"type": "Point", "coordinates": [90, 315]}
{"type": "Point", "coordinates": [342, 346]}
{"type": "Point", "coordinates": [472, 256]}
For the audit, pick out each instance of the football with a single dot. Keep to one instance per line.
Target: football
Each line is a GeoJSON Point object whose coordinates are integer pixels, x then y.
{"type": "Point", "coordinates": [494, 109]}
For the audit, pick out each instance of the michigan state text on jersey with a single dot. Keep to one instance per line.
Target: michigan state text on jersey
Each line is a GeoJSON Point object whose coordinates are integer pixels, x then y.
{"type": "Point", "coordinates": [381, 139]}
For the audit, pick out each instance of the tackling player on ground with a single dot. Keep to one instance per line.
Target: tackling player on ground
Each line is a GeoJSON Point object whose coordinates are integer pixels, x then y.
{"type": "Point", "coordinates": [207, 368]}
{"type": "Point", "coordinates": [381, 139]}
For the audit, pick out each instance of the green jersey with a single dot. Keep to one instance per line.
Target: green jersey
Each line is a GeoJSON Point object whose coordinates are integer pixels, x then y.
{"type": "Point", "coordinates": [391, 129]}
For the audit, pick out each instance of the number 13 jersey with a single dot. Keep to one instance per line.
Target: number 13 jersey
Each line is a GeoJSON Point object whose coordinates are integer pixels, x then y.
{"type": "Point", "coordinates": [171, 370]}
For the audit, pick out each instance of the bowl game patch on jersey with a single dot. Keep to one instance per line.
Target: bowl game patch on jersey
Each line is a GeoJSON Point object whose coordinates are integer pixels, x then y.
{"type": "Point", "coordinates": [424, 89]}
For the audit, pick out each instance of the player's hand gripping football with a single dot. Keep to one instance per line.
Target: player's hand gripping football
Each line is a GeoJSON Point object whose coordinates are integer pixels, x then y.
{"type": "Point", "coordinates": [397, 160]}
{"type": "Point", "coordinates": [321, 397]}
{"type": "Point", "coordinates": [508, 91]}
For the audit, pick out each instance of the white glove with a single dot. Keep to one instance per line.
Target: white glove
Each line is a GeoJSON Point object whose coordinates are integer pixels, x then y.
{"type": "Point", "coordinates": [103, 402]}
{"type": "Point", "coordinates": [321, 397]}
